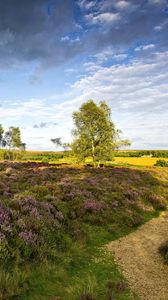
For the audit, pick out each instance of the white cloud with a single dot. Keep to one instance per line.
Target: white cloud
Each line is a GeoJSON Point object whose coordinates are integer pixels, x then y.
{"type": "Point", "coordinates": [65, 38]}
{"type": "Point", "coordinates": [69, 39]}
{"type": "Point", "coordinates": [84, 4]}
{"type": "Point", "coordinates": [145, 47]}
{"type": "Point", "coordinates": [122, 4]}
{"type": "Point", "coordinates": [161, 26]}
{"type": "Point", "coordinates": [106, 17]}
{"type": "Point", "coordinates": [109, 53]}
{"type": "Point", "coordinates": [120, 56]}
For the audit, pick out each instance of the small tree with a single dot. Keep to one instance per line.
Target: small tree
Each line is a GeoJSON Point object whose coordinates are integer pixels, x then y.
{"type": "Point", "coordinates": [12, 141]}
{"type": "Point", "coordinates": [13, 138]}
{"type": "Point", "coordinates": [95, 134]}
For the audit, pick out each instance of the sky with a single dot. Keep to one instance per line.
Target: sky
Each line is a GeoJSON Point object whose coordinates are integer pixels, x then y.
{"type": "Point", "coordinates": [57, 54]}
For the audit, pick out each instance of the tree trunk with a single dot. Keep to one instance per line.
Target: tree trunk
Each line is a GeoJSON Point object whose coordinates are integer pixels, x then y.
{"type": "Point", "coordinates": [93, 152]}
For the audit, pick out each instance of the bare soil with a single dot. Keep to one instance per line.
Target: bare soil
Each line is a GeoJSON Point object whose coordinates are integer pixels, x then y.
{"type": "Point", "coordinates": [137, 255]}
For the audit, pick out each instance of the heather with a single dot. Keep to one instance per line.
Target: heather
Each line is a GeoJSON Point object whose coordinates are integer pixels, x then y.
{"type": "Point", "coordinates": [54, 221]}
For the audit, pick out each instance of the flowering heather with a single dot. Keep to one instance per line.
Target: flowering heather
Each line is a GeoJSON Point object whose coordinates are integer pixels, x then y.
{"type": "Point", "coordinates": [94, 206]}
{"type": "Point", "coordinates": [131, 195]}
{"type": "Point", "coordinates": [28, 236]}
{"type": "Point", "coordinates": [92, 181]}
{"type": "Point", "coordinates": [45, 208]}
{"type": "Point", "coordinates": [5, 215]}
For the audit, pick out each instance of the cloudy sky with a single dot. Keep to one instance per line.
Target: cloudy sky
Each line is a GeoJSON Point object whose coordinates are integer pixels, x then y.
{"type": "Point", "coordinates": [56, 54]}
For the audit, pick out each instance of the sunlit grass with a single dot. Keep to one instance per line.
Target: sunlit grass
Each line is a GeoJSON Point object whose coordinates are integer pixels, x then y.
{"type": "Point", "coordinates": [137, 161]}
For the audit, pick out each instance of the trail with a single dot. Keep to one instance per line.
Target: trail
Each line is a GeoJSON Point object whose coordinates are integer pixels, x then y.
{"type": "Point", "coordinates": [143, 267]}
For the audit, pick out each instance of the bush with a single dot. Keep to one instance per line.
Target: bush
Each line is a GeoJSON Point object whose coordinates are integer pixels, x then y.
{"type": "Point", "coordinates": [45, 160]}
{"type": "Point", "coordinates": [161, 163]}
{"type": "Point", "coordinates": [164, 251]}
{"type": "Point", "coordinates": [158, 202]}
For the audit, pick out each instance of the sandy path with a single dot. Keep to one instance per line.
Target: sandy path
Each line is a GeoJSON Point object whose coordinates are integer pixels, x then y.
{"type": "Point", "coordinates": [137, 255]}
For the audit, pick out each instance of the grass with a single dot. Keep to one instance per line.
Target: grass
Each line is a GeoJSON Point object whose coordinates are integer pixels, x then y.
{"type": "Point", "coordinates": [82, 276]}
{"type": "Point", "coordinates": [89, 208]}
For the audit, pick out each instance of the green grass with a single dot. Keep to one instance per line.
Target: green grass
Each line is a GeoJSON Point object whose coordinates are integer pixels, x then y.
{"type": "Point", "coordinates": [82, 275]}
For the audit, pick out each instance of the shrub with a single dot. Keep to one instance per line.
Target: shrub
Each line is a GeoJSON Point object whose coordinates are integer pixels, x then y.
{"type": "Point", "coordinates": [163, 249]}
{"type": "Point", "coordinates": [161, 163]}
{"type": "Point", "coordinates": [45, 160]}
{"type": "Point", "coordinates": [158, 202]}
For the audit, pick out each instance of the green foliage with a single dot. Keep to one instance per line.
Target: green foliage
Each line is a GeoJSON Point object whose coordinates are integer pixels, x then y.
{"type": "Point", "coordinates": [50, 156]}
{"type": "Point", "coordinates": [1, 134]}
{"type": "Point", "coordinates": [13, 284]}
{"type": "Point", "coordinates": [95, 134]}
{"type": "Point", "coordinates": [45, 160]}
{"type": "Point", "coordinates": [12, 138]}
{"type": "Point", "coordinates": [161, 163]}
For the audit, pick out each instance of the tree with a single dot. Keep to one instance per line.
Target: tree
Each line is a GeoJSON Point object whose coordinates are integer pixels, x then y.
{"type": "Point", "coordinates": [95, 134]}
{"type": "Point", "coordinates": [1, 135]}
{"type": "Point", "coordinates": [12, 138]}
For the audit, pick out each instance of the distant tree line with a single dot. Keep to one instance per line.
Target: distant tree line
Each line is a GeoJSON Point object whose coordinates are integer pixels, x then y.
{"type": "Point", "coordinates": [141, 153]}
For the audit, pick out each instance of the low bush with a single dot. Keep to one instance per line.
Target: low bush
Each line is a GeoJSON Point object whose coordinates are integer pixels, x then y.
{"type": "Point", "coordinates": [45, 160]}
{"type": "Point", "coordinates": [164, 251]}
{"type": "Point", "coordinates": [161, 163]}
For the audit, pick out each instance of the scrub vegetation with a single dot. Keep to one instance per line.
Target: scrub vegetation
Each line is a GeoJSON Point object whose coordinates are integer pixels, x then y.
{"type": "Point", "coordinates": [55, 220]}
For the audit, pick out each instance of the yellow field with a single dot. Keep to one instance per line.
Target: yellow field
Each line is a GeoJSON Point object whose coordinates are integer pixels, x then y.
{"type": "Point", "coordinates": [138, 161]}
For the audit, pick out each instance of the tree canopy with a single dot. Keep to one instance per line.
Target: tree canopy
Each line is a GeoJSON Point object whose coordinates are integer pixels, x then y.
{"type": "Point", "coordinates": [95, 135]}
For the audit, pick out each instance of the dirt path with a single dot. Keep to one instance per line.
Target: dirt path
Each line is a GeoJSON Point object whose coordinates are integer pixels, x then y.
{"type": "Point", "coordinates": [137, 255]}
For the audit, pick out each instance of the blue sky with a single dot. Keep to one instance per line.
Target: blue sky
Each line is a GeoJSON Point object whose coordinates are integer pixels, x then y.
{"type": "Point", "coordinates": [56, 54]}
